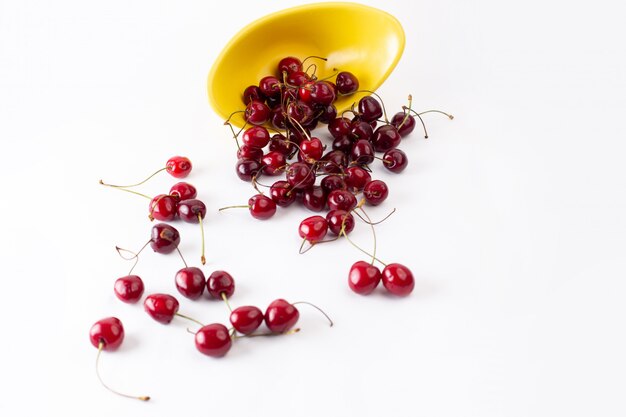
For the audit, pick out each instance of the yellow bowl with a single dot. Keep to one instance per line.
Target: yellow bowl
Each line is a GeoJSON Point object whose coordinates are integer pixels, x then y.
{"type": "Point", "coordinates": [363, 40]}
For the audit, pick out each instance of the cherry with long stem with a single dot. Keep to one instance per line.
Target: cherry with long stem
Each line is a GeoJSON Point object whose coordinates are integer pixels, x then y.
{"type": "Point", "coordinates": [140, 398]}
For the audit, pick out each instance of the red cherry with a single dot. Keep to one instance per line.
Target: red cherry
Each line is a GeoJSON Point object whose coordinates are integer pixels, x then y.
{"type": "Point", "coordinates": [189, 210]}
{"type": "Point", "coordinates": [256, 113]}
{"type": "Point", "coordinates": [385, 138]}
{"type": "Point", "coordinates": [252, 92]}
{"type": "Point", "coordinates": [304, 92]}
{"type": "Point", "coordinates": [213, 340]}
{"type": "Point", "coordinates": [398, 279]}
{"type": "Point", "coordinates": [363, 277]}
{"type": "Point", "coordinates": [296, 79]}
{"type": "Point", "coordinates": [109, 332]}
{"type": "Point", "coordinates": [362, 152]}
{"type": "Point", "coordinates": [333, 162]}
{"type": "Point", "coordinates": [190, 282]}
{"type": "Point", "coordinates": [247, 169]}
{"type": "Point", "coordinates": [404, 122]}
{"type": "Point", "coordinates": [163, 208]}
{"type": "Point", "coordinates": [261, 207]}
{"type": "Point", "coordinates": [273, 163]}
{"type": "Point", "coordinates": [246, 319]}
{"type": "Point", "coordinates": [360, 129]}
{"type": "Point", "coordinates": [370, 109]}
{"type": "Point", "coordinates": [289, 64]}
{"type": "Point", "coordinates": [322, 93]}
{"type": "Point", "coordinates": [129, 289]}
{"type": "Point", "coordinates": [256, 136]}
{"type": "Point", "coordinates": [395, 160]}
{"type": "Point", "coordinates": [164, 238]}
{"type": "Point", "coordinates": [356, 178]}
{"type": "Point", "coordinates": [375, 192]}
{"type": "Point", "coordinates": [341, 200]}
{"type": "Point", "coordinates": [300, 175]}
{"type": "Point", "coordinates": [311, 150]}
{"type": "Point", "coordinates": [314, 198]}
{"type": "Point", "coordinates": [313, 228]}
{"type": "Point", "coordinates": [343, 144]}
{"type": "Point", "coordinates": [281, 316]}
{"type": "Point", "coordinates": [333, 182]}
{"type": "Point", "coordinates": [220, 282]}
{"type": "Point", "coordinates": [346, 83]}
{"type": "Point", "coordinates": [278, 118]}
{"type": "Point", "coordinates": [281, 193]}
{"type": "Point", "coordinates": [300, 112]}
{"type": "Point", "coordinates": [161, 307]}
{"type": "Point", "coordinates": [183, 191]}
{"type": "Point", "coordinates": [340, 127]}
{"type": "Point", "coordinates": [249, 152]}
{"type": "Point", "coordinates": [178, 166]}
{"type": "Point", "coordinates": [335, 219]}
{"type": "Point", "coordinates": [270, 86]}
{"type": "Point", "coordinates": [279, 143]}
{"type": "Point", "coordinates": [327, 113]}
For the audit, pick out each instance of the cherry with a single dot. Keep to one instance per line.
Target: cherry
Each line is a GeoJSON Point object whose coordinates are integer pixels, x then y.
{"type": "Point", "coordinates": [363, 277]}
{"type": "Point", "coordinates": [369, 109]}
{"type": "Point", "coordinates": [256, 136]}
{"type": "Point", "coordinates": [304, 92]}
{"type": "Point", "coordinates": [327, 113]}
{"type": "Point", "coordinates": [322, 93]}
{"type": "Point", "coordinates": [281, 316]}
{"type": "Point", "coordinates": [375, 192]}
{"type": "Point", "coordinates": [395, 160]}
{"type": "Point", "coordinates": [356, 178]}
{"type": "Point", "coordinates": [164, 238]}
{"type": "Point", "coordinates": [161, 307]}
{"type": "Point", "coordinates": [107, 334]}
{"type": "Point", "coordinates": [256, 112]}
{"type": "Point", "coordinates": [341, 200]}
{"type": "Point", "coordinates": [279, 143]}
{"type": "Point", "coordinates": [249, 152]}
{"type": "Point", "coordinates": [278, 118]}
{"type": "Point", "coordinates": [129, 289]}
{"type": "Point", "coordinates": [314, 198]}
{"type": "Point", "coordinates": [289, 64]}
{"type": "Point", "coordinates": [274, 163]}
{"type": "Point", "coordinates": [190, 282]}
{"type": "Point", "coordinates": [311, 150]}
{"type": "Point", "coordinates": [246, 319]}
{"type": "Point", "coordinates": [183, 191]}
{"type": "Point", "coordinates": [333, 182]}
{"type": "Point", "coordinates": [313, 228]}
{"type": "Point", "coordinates": [362, 152]}
{"type": "Point", "coordinates": [281, 194]}
{"type": "Point", "coordinates": [213, 340]}
{"type": "Point", "coordinates": [220, 284]}
{"type": "Point", "coordinates": [346, 83]}
{"type": "Point", "coordinates": [163, 207]}
{"type": "Point", "coordinates": [247, 168]}
{"type": "Point", "coordinates": [360, 129]}
{"type": "Point", "coordinates": [261, 207]}
{"type": "Point", "coordinates": [299, 111]}
{"type": "Point", "coordinates": [343, 144]}
{"type": "Point", "coordinates": [337, 219]}
{"type": "Point", "coordinates": [398, 279]}
{"type": "Point", "coordinates": [404, 122]}
{"type": "Point", "coordinates": [178, 166]}
{"type": "Point", "coordinates": [300, 176]}
{"type": "Point", "coordinates": [334, 161]}
{"type": "Point", "coordinates": [340, 127]}
{"type": "Point", "coordinates": [252, 92]}
{"type": "Point", "coordinates": [296, 79]}
{"type": "Point", "coordinates": [299, 134]}
{"type": "Point", "coordinates": [191, 210]}
{"type": "Point", "coordinates": [270, 86]}
{"type": "Point", "coordinates": [385, 138]}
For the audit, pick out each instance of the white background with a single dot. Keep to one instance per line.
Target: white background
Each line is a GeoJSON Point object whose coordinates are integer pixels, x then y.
{"type": "Point", "coordinates": [511, 218]}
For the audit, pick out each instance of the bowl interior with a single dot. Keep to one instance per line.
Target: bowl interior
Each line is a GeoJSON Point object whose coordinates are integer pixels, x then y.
{"type": "Point", "coordinates": [363, 40]}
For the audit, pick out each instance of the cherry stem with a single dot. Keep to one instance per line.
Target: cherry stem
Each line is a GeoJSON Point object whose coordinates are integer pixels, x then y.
{"type": "Point", "coordinates": [100, 347]}
{"type": "Point", "coordinates": [189, 318]}
{"type": "Point", "coordinates": [292, 331]}
{"type": "Point", "coordinates": [336, 71]}
{"type": "Point", "coordinates": [133, 185]}
{"type": "Point", "coordinates": [314, 71]}
{"type": "Point", "coordinates": [227, 121]}
{"type": "Point", "coordinates": [122, 188]}
{"type": "Point", "coordinates": [343, 232]}
{"type": "Point", "coordinates": [316, 307]}
{"type": "Point", "coordinates": [135, 255]}
{"type": "Point", "coordinates": [378, 222]}
{"type": "Point", "coordinates": [451, 117]}
{"type": "Point", "coordinates": [407, 114]}
{"type": "Point", "coordinates": [313, 56]}
{"type": "Point", "coordinates": [152, 206]}
{"type": "Point", "coordinates": [232, 207]}
{"type": "Point", "coordinates": [373, 232]}
{"type": "Point", "coordinates": [291, 119]}
{"type": "Point", "coordinates": [223, 295]}
{"type": "Point", "coordinates": [181, 256]}
{"type": "Point", "coordinates": [202, 258]}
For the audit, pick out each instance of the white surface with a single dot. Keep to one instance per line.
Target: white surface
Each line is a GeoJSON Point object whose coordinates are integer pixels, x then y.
{"type": "Point", "coordinates": [511, 217]}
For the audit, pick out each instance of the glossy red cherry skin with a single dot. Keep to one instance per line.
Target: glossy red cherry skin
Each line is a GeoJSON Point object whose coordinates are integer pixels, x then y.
{"type": "Point", "coordinates": [109, 331]}
{"type": "Point", "coordinates": [289, 64]}
{"type": "Point", "coordinates": [247, 169]}
{"type": "Point", "coordinates": [375, 192]}
{"type": "Point", "coordinates": [385, 138]}
{"type": "Point", "coordinates": [296, 79]}
{"type": "Point", "coordinates": [161, 307]}
{"type": "Point", "coordinates": [190, 282]}
{"type": "Point", "coordinates": [333, 182]}
{"type": "Point", "coordinates": [252, 92]}
{"type": "Point", "coordinates": [300, 175]}
{"type": "Point", "coordinates": [405, 123]}
{"type": "Point", "coordinates": [256, 136]}
{"type": "Point", "coordinates": [363, 277]}
{"type": "Point", "coordinates": [220, 282]}
{"type": "Point", "coordinates": [299, 111]}
{"type": "Point", "coordinates": [281, 316]}
{"type": "Point", "coordinates": [322, 93]}
{"type": "Point", "coordinates": [398, 279]}
{"type": "Point", "coordinates": [281, 193]}
{"type": "Point", "coordinates": [362, 152]}
{"type": "Point", "coordinates": [189, 210]}
{"type": "Point", "coordinates": [261, 207]}
{"type": "Point", "coordinates": [314, 198]}
{"type": "Point", "coordinates": [178, 166]}
{"type": "Point", "coordinates": [279, 143]}
{"type": "Point", "coordinates": [163, 207]}
{"type": "Point", "coordinates": [313, 228]}
{"type": "Point", "coordinates": [129, 289]}
{"type": "Point", "coordinates": [395, 160]}
{"type": "Point", "coordinates": [334, 161]}
{"type": "Point", "coordinates": [360, 129]}
{"type": "Point", "coordinates": [335, 220]}
{"type": "Point", "coordinates": [343, 144]}
{"type": "Point", "coordinates": [164, 238]}
{"type": "Point", "coordinates": [257, 113]}
{"type": "Point", "coordinates": [346, 82]}
{"type": "Point", "coordinates": [340, 127]}
{"type": "Point", "coordinates": [270, 86]}
{"type": "Point", "coordinates": [249, 152]}
{"type": "Point", "coordinates": [273, 163]}
{"type": "Point", "coordinates": [356, 178]}
{"type": "Point", "coordinates": [213, 340]}
{"type": "Point", "coordinates": [183, 191]}
{"type": "Point", "coordinates": [327, 113]}
{"type": "Point", "coordinates": [370, 109]}
{"type": "Point", "coordinates": [278, 118]}
{"type": "Point", "coordinates": [246, 319]}
{"type": "Point", "coordinates": [311, 150]}
{"type": "Point", "coordinates": [341, 200]}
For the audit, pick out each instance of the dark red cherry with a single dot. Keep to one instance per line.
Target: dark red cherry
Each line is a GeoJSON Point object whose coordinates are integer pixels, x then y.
{"type": "Point", "coordinates": [281, 316]}
{"type": "Point", "coordinates": [340, 127]}
{"type": "Point", "coordinates": [213, 340]}
{"type": "Point", "coordinates": [322, 93]}
{"type": "Point", "coordinates": [360, 129]}
{"type": "Point", "coordinates": [404, 122]}
{"type": "Point", "coordinates": [161, 307]}
{"type": "Point", "coordinates": [363, 277]}
{"type": "Point", "coordinates": [338, 218]}
{"type": "Point", "coordinates": [356, 178]}
{"type": "Point", "coordinates": [314, 198]}
{"type": "Point", "coordinates": [370, 109]}
{"type": "Point", "coordinates": [183, 191]}
{"type": "Point", "coordinates": [246, 319]}
{"type": "Point", "coordinates": [270, 86]}
{"type": "Point", "coordinates": [163, 208]}
{"type": "Point", "coordinates": [341, 200]}
{"type": "Point", "coordinates": [190, 282]}
{"type": "Point", "coordinates": [252, 92]}
{"type": "Point", "coordinates": [327, 113]}
{"type": "Point", "coordinates": [129, 289]}
{"type": "Point", "coordinates": [334, 161]}
{"type": "Point", "coordinates": [296, 134]}
{"type": "Point", "coordinates": [395, 160]}
{"type": "Point", "coordinates": [220, 282]}
{"type": "Point", "coordinates": [247, 168]}
{"type": "Point", "coordinates": [289, 64]}
{"type": "Point", "coordinates": [385, 138]}
{"type": "Point", "coordinates": [178, 166]}
{"type": "Point", "coordinates": [256, 112]}
{"type": "Point", "coordinates": [398, 279]}
{"type": "Point", "coordinates": [249, 152]}
{"type": "Point", "coordinates": [274, 163]}
{"type": "Point", "coordinates": [333, 182]}
{"type": "Point", "coordinates": [296, 79]}
{"type": "Point", "coordinates": [256, 136]}
{"type": "Point", "coordinates": [300, 175]}
{"type": "Point", "coordinates": [261, 207]}
{"type": "Point", "coordinates": [164, 238]}
{"type": "Point", "coordinates": [362, 152]}
{"type": "Point", "coordinates": [279, 143]}
{"type": "Point", "coordinates": [311, 150]}
{"type": "Point", "coordinates": [313, 228]}
{"type": "Point", "coordinates": [108, 331]}
{"type": "Point", "coordinates": [299, 111]}
{"type": "Point", "coordinates": [375, 192]}
{"type": "Point", "coordinates": [273, 102]}
{"type": "Point", "coordinates": [346, 82]}
{"type": "Point", "coordinates": [281, 194]}
{"type": "Point", "coordinates": [189, 210]}
{"type": "Point", "coordinates": [343, 144]}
